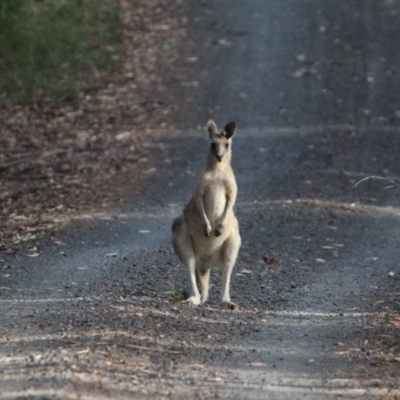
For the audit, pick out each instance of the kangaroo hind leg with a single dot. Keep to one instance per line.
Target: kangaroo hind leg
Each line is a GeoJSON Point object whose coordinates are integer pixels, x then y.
{"type": "Point", "coordinates": [184, 249]}
{"type": "Point", "coordinates": [202, 277]}
{"type": "Point", "coordinates": [229, 253]}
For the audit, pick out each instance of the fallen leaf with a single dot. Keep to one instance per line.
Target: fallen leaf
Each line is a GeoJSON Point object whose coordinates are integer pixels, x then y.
{"type": "Point", "coordinates": [270, 261]}
{"type": "Point", "coordinates": [257, 364]}
{"type": "Point", "coordinates": [85, 351]}
{"type": "Point", "coordinates": [224, 42]}
{"type": "Point", "coordinates": [395, 321]}
{"type": "Point", "coordinates": [305, 71]}
{"type": "Point", "coordinates": [339, 344]}
{"type": "Point", "coordinates": [123, 136]}
{"type": "Point", "coordinates": [216, 379]}
{"type": "Point", "coordinates": [348, 351]}
{"type": "Point", "coordinates": [149, 171]}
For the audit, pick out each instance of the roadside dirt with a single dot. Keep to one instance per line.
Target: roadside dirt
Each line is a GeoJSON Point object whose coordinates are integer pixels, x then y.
{"type": "Point", "coordinates": [59, 164]}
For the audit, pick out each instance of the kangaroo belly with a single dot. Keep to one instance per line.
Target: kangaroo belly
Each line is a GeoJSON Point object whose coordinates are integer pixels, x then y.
{"type": "Point", "coordinates": [214, 203]}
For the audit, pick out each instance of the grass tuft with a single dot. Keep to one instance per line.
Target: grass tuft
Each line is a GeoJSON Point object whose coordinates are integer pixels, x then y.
{"type": "Point", "coordinates": [391, 318]}
{"type": "Point", "coordinates": [175, 293]}
{"type": "Point", "coordinates": [52, 48]}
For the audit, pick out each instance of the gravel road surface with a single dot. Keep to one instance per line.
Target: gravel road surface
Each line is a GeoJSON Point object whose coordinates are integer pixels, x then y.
{"type": "Point", "coordinates": [314, 87]}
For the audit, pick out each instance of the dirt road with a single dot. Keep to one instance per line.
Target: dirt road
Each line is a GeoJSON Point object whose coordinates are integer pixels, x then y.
{"type": "Point", "coordinates": [313, 87]}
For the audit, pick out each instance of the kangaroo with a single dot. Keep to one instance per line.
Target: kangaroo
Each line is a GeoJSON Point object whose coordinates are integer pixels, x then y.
{"type": "Point", "coordinates": [206, 235]}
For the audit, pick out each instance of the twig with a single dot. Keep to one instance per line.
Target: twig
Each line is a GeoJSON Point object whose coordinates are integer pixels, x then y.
{"type": "Point", "coordinates": [32, 157]}
{"type": "Point", "coordinates": [362, 207]}
{"type": "Point", "coordinates": [15, 195]}
{"type": "Point", "coordinates": [46, 154]}
{"type": "Point", "coordinates": [375, 177]}
{"type": "Point", "coordinates": [134, 346]}
{"type": "Point", "coordinates": [54, 152]}
{"type": "Point", "coordinates": [10, 164]}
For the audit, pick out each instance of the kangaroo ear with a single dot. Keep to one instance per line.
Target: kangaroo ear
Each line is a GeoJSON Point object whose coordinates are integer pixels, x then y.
{"type": "Point", "coordinates": [230, 129]}
{"type": "Point", "coordinates": [212, 128]}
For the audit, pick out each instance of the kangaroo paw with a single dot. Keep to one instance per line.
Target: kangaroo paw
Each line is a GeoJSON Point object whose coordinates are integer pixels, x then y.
{"type": "Point", "coordinates": [207, 230]}
{"type": "Point", "coordinates": [219, 230]}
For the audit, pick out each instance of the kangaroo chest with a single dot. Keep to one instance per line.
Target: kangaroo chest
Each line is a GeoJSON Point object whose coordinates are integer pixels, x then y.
{"type": "Point", "coordinates": [217, 188]}
{"type": "Point", "coordinates": [214, 201]}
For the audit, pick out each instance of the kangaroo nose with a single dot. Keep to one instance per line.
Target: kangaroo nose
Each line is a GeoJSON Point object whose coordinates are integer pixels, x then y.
{"type": "Point", "coordinates": [219, 158]}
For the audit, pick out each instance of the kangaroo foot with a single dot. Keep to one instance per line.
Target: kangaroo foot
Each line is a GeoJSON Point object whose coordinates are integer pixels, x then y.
{"type": "Point", "coordinates": [193, 301]}
{"type": "Point", "coordinates": [230, 306]}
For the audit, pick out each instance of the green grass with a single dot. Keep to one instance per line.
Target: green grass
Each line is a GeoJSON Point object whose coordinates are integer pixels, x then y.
{"type": "Point", "coordinates": [175, 293]}
{"type": "Point", "coordinates": [52, 48]}
{"type": "Point", "coordinates": [389, 317]}
{"type": "Point", "coordinates": [386, 319]}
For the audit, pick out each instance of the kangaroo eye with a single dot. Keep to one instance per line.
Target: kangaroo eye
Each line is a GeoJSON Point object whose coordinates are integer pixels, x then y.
{"type": "Point", "coordinates": [213, 146]}
{"type": "Point", "coordinates": [227, 145]}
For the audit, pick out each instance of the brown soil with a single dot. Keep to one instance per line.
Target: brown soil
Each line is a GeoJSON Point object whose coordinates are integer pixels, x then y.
{"type": "Point", "coordinates": [59, 163]}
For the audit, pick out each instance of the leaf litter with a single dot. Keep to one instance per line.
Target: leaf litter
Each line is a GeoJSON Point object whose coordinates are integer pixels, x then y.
{"type": "Point", "coordinates": [60, 162]}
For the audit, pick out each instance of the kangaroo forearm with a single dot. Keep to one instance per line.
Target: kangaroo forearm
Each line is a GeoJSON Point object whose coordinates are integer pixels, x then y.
{"type": "Point", "coordinates": [200, 206]}
{"type": "Point", "coordinates": [228, 207]}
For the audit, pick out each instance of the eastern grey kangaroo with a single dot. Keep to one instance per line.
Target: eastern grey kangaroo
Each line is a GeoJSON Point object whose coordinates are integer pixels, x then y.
{"type": "Point", "coordinates": [206, 235]}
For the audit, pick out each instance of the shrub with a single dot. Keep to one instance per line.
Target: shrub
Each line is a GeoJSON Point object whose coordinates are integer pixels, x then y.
{"type": "Point", "coordinates": [54, 47]}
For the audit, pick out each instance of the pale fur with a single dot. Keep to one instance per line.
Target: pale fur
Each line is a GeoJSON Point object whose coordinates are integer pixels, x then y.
{"type": "Point", "coordinates": [206, 235]}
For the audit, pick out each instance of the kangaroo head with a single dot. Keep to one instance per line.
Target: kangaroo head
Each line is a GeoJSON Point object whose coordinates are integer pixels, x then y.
{"type": "Point", "coordinates": [220, 143]}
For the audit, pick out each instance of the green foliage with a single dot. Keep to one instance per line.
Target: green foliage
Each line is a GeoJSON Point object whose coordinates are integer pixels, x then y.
{"type": "Point", "coordinates": [391, 318]}
{"type": "Point", "coordinates": [175, 293]}
{"type": "Point", "coordinates": [51, 47]}
{"type": "Point", "coordinates": [386, 319]}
